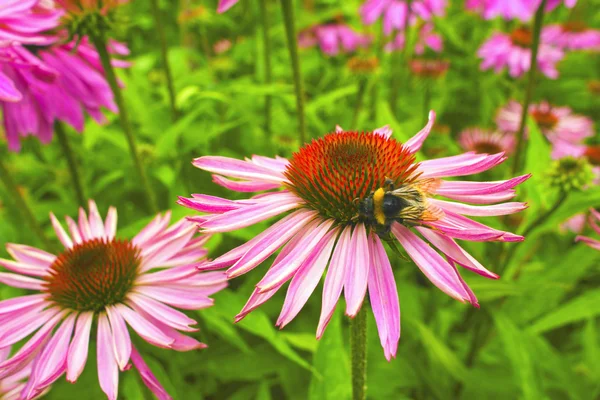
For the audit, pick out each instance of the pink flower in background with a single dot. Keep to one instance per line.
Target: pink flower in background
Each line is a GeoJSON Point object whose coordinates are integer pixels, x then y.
{"type": "Point", "coordinates": [332, 198]}
{"type": "Point", "coordinates": [108, 283]}
{"type": "Point", "coordinates": [426, 39]}
{"type": "Point", "coordinates": [333, 38]}
{"type": "Point", "coordinates": [572, 36]}
{"type": "Point", "coordinates": [393, 12]}
{"type": "Point", "coordinates": [25, 21]}
{"type": "Point", "coordinates": [575, 224]}
{"type": "Point", "coordinates": [593, 220]}
{"type": "Point", "coordinates": [513, 51]}
{"type": "Point", "coordinates": [485, 141]}
{"type": "Point", "coordinates": [522, 10]}
{"type": "Point", "coordinates": [564, 129]}
{"type": "Point", "coordinates": [222, 46]}
{"type": "Point", "coordinates": [225, 5]}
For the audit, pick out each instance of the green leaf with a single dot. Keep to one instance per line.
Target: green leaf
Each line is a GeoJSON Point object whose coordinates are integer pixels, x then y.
{"type": "Point", "coordinates": [580, 308]}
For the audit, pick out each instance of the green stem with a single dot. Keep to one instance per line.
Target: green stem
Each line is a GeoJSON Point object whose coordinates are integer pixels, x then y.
{"type": "Point", "coordinates": [290, 31]}
{"type": "Point", "coordinates": [426, 101]}
{"type": "Point", "coordinates": [537, 28]}
{"type": "Point", "coordinates": [399, 61]}
{"type": "Point", "coordinates": [16, 195]}
{"type": "Point", "coordinates": [100, 44]}
{"type": "Point", "coordinates": [164, 54]}
{"type": "Point", "coordinates": [264, 16]}
{"type": "Point", "coordinates": [358, 346]}
{"type": "Point", "coordinates": [360, 96]}
{"type": "Point", "coordinates": [73, 168]}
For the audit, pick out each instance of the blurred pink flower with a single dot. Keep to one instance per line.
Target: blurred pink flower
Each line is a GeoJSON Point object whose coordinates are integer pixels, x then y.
{"type": "Point", "coordinates": [225, 5]}
{"type": "Point", "coordinates": [426, 39]}
{"type": "Point", "coordinates": [26, 21]}
{"type": "Point", "coordinates": [593, 220]}
{"type": "Point", "coordinates": [333, 38]}
{"type": "Point", "coordinates": [511, 9]}
{"type": "Point", "coordinates": [393, 12]}
{"type": "Point", "coordinates": [485, 141]}
{"type": "Point", "coordinates": [329, 194]}
{"type": "Point", "coordinates": [110, 283]}
{"type": "Point", "coordinates": [514, 52]}
{"type": "Point", "coordinates": [565, 130]}
{"type": "Point", "coordinates": [575, 224]}
{"type": "Point", "coordinates": [572, 36]}
{"type": "Point", "coordinates": [222, 46]}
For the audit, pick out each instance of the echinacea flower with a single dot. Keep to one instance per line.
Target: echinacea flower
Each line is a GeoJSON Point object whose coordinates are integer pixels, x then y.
{"type": "Point", "coordinates": [330, 197]}
{"type": "Point", "coordinates": [572, 36]}
{"type": "Point", "coordinates": [26, 21]}
{"type": "Point", "coordinates": [426, 38]}
{"type": "Point", "coordinates": [333, 38]}
{"type": "Point", "coordinates": [513, 51]}
{"type": "Point", "coordinates": [512, 9]}
{"type": "Point", "coordinates": [486, 141]}
{"type": "Point", "coordinates": [225, 5]}
{"type": "Point", "coordinates": [428, 68]}
{"type": "Point", "coordinates": [593, 221]}
{"type": "Point", "coordinates": [560, 125]}
{"type": "Point", "coordinates": [575, 224]}
{"type": "Point", "coordinates": [394, 12]}
{"type": "Point", "coordinates": [104, 282]}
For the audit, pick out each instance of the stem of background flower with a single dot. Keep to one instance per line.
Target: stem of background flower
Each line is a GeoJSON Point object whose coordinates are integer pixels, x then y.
{"type": "Point", "coordinates": [164, 55]}
{"type": "Point", "coordinates": [70, 156]}
{"type": "Point", "coordinates": [16, 195]}
{"type": "Point", "coordinates": [426, 101]}
{"type": "Point", "coordinates": [100, 44]}
{"type": "Point", "coordinates": [399, 59]}
{"type": "Point", "coordinates": [537, 29]}
{"type": "Point", "coordinates": [375, 76]}
{"type": "Point", "coordinates": [358, 348]}
{"type": "Point", "coordinates": [360, 96]}
{"type": "Point", "coordinates": [264, 16]}
{"type": "Point", "coordinates": [290, 31]}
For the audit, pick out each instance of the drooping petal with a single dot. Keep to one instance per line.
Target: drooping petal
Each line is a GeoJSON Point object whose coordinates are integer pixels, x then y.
{"type": "Point", "coordinates": [415, 143]}
{"type": "Point", "coordinates": [169, 316]}
{"type": "Point", "coordinates": [108, 370]}
{"type": "Point", "coordinates": [480, 211]}
{"type": "Point", "coordinates": [121, 341]}
{"type": "Point", "coordinates": [238, 169]}
{"type": "Point", "coordinates": [78, 351]}
{"type": "Point", "coordinates": [147, 376]}
{"type": "Point", "coordinates": [357, 272]}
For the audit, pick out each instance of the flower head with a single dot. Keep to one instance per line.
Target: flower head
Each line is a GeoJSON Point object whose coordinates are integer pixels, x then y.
{"type": "Point", "coordinates": [485, 141]}
{"type": "Point", "coordinates": [593, 220]}
{"type": "Point", "coordinates": [28, 21]}
{"type": "Point", "coordinates": [572, 36]}
{"type": "Point", "coordinates": [513, 51]}
{"type": "Point", "coordinates": [569, 174]}
{"type": "Point", "coordinates": [99, 280]}
{"type": "Point", "coordinates": [394, 12]}
{"type": "Point", "coordinates": [428, 68]}
{"type": "Point", "coordinates": [225, 5]}
{"type": "Point", "coordinates": [333, 38]}
{"type": "Point", "coordinates": [426, 39]}
{"type": "Point", "coordinates": [341, 197]}
{"type": "Point", "coordinates": [511, 9]}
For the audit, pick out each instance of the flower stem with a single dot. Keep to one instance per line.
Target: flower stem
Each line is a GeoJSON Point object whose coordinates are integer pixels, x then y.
{"type": "Point", "coordinates": [164, 54]}
{"type": "Point", "coordinates": [73, 168]}
{"type": "Point", "coordinates": [264, 16]}
{"type": "Point", "coordinates": [360, 96]}
{"type": "Point", "coordinates": [537, 28]}
{"type": "Point", "coordinates": [358, 346]}
{"type": "Point", "coordinates": [400, 59]}
{"type": "Point", "coordinates": [426, 101]}
{"type": "Point", "coordinates": [290, 31]}
{"type": "Point", "coordinates": [100, 44]}
{"type": "Point", "coordinates": [14, 191]}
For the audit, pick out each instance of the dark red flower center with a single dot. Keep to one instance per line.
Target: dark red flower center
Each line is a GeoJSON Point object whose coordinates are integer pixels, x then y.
{"type": "Point", "coordinates": [522, 37]}
{"type": "Point", "coordinates": [330, 173]}
{"type": "Point", "coordinates": [545, 119]}
{"type": "Point", "coordinates": [94, 274]}
{"type": "Point", "coordinates": [574, 26]}
{"type": "Point", "coordinates": [428, 68]}
{"type": "Point", "coordinates": [487, 147]}
{"type": "Point", "coordinates": [592, 153]}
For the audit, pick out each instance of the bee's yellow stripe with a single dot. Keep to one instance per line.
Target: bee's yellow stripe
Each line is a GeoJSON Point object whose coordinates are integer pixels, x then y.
{"type": "Point", "coordinates": [378, 206]}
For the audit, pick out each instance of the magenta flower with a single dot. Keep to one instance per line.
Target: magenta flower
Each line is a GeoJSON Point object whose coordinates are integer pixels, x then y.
{"type": "Point", "coordinates": [514, 51]}
{"type": "Point", "coordinates": [593, 220]}
{"type": "Point", "coordinates": [225, 5]}
{"type": "Point", "coordinates": [575, 224]}
{"type": "Point", "coordinates": [572, 36]}
{"type": "Point", "coordinates": [333, 38]}
{"type": "Point", "coordinates": [393, 12]}
{"type": "Point", "coordinates": [485, 141]}
{"type": "Point", "coordinates": [25, 21]}
{"type": "Point", "coordinates": [110, 283]}
{"type": "Point", "coordinates": [511, 9]}
{"type": "Point", "coordinates": [565, 130]}
{"type": "Point", "coordinates": [330, 195]}
{"type": "Point", "coordinates": [426, 38]}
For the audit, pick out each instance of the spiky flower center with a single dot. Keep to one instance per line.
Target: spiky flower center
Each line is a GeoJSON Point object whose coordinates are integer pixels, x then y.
{"type": "Point", "coordinates": [592, 153]}
{"type": "Point", "coordinates": [546, 120]}
{"type": "Point", "coordinates": [570, 173]}
{"type": "Point", "coordinates": [522, 37]}
{"type": "Point", "coordinates": [574, 26]}
{"type": "Point", "coordinates": [94, 274]}
{"type": "Point", "coordinates": [332, 172]}
{"type": "Point", "coordinates": [487, 147]}
{"type": "Point", "coordinates": [428, 68]}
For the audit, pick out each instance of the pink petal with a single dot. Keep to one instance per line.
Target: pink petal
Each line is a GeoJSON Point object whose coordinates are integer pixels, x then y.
{"type": "Point", "coordinates": [145, 329]}
{"type": "Point", "coordinates": [63, 236]}
{"type": "Point", "coordinates": [148, 377]}
{"type": "Point", "coordinates": [480, 211]}
{"type": "Point", "coordinates": [225, 5]}
{"type": "Point", "coordinates": [414, 144]}
{"type": "Point", "coordinates": [237, 169]}
{"type": "Point", "coordinates": [357, 272]}
{"type": "Point", "coordinates": [31, 255]}
{"type": "Point", "coordinates": [162, 251]}
{"type": "Point", "coordinates": [176, 297]}
{"type": "Point", "coordinates": [21, 282]}
{"type": "Point", "coordinates": [244, 186]}
{"type": "Point", "coordinates": [20, 303]}
{"type": "Point", "coordinates": [108, 370]}
{"type": "Point", "coordinates": [110, 223]}
{"type": "Point", "coordinates": [78, 351]}
{"type": "Point", "coordinates": [169, 316]}
{"type": "Point", "coordinates": [121, 341]}
{"type": "Point", "coordinates": [157, 225]}
{"type": "Point", "coordinates": [96, 224]}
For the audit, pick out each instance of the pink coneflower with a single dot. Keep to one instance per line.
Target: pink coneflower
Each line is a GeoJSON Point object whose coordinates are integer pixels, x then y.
{"type": "Point", "coordinates": [572, 36]}
{"type": "Point", "coordinates": [110, 283]}
{"type": "Point", "coordinates": [428, 68]}
{"type": "Point", "coordinates": [332, 197]}
{"type": "Point", "coordinates": [563, 128]}
{"type": "Point", "coordinates": [511, 9]}
{"type": "Point", "coordinates": [593, 220]}
{"type": "Point", "coordinates": [222, 46]}
{"type": "Point", "coordinates": [333, 38]}
{"type": "Point", "coordinates": [225, 5]}
{"type": "Point", "coordinates": [393, 12]}
{"type": "Point", "coordinates": [426, 38]}
{"type": "Point", "coordinates": [485, 141]}
{"type": "Point", "coordinates": [575, 224]}
{"type": "Point", "coordinates": [25, 21]}
{"type": "Point", "coordinates": [514, 51]}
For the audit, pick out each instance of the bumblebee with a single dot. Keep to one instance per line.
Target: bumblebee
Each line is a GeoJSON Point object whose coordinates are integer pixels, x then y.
{"type": "Point", "coordinates": [406, 204]}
